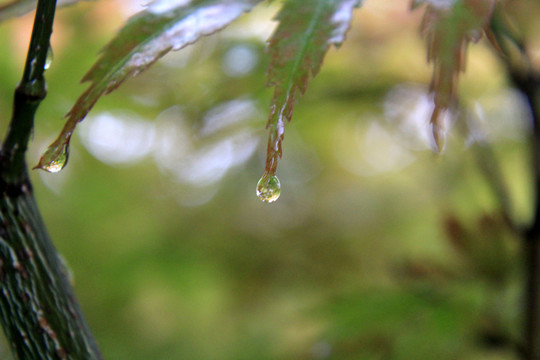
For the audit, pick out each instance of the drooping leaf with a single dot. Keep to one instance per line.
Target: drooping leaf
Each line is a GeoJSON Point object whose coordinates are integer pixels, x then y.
{"type": "Point", "coordinates": [306, 30]}
{"type": "Point", "coordinates": [20, 7]}
{"type": "Point", "coordinates": [449, 26]}
{"type": "Point", "coordinates": [163, 26]}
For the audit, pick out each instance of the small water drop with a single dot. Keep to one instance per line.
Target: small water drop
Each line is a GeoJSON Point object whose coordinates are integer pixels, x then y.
{"type": "Point", "coordinates": [268, 188]}
{"type": "Point", "coordinates": [54, 158]}
{"type": "Point", "coordinates": [49, 59]}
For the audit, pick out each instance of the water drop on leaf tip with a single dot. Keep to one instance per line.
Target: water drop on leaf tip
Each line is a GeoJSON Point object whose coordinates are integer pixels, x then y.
{"type": "Point", "coordinates": [54, 159]}
{"type": "Point", "coordinates": [55, 165]}
{"type": "Point", "coordinates": [268, 188]}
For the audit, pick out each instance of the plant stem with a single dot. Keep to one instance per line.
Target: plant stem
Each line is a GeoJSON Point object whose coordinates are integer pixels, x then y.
{"type": "Point", "coordinates": [38, 309]}
{"type": "Point", "coordinates": [526, 79]}
{"type": "Point", "coordinates": [532, 327]}
{"type": "Point", "coordinates": [28, 94]}
{"type": "Point", "coordinates": [528, 83]}
{"type": "Point", "coordinates": [529, 86]}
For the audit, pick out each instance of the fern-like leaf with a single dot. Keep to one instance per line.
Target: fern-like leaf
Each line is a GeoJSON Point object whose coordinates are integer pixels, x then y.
{"type": "Point", "coordinates": [449, 27]}
{"type": "Point", "coordinates": [306, 30]}
{"type": "Point", "coordinates": [163, 26]}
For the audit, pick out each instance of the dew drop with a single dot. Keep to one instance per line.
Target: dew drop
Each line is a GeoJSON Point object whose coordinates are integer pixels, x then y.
{"type": "Point", "coordinates": [268, 188]}
{"type": "Point", "coordinates": [48, 59]}
{"type": "Point", "coordinates": [54, 158]}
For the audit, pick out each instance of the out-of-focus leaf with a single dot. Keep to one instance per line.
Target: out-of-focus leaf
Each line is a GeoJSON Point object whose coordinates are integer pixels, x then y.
{"type": "Point", "coordinates": [306, 30]}
{"type": "Point", "coordinates": [449, 27]}
{"type": "Point", "coordinates": [163, 26]}
{"type": "Point", "coordinates": [21, 7]}
{"type": "Point", "coordinates": [436, 3]}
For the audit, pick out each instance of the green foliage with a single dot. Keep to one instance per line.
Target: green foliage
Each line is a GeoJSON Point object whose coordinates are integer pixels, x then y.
{"type": "Point", "coordinates": [306, 30]}
{"type": "Point", "coordinates": [162, 27]}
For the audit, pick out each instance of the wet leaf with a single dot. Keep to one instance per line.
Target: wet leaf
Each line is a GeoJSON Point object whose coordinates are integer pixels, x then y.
{"type": "Point", "coordinates": [449, 26]}
{"type": "Point", "coordinates": [20, 7]}
{"type": "Point", "coordinates": [163, 26]}
{"type": "Point", "coordinates": [306, 30]}
{"type": "Point", "coordinates": [55, 157]}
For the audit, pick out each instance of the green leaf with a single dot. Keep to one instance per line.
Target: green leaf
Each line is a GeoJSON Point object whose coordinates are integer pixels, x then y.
{"type": "Point", "coordinates": [163, 26]}
{"type": "Point", "coordinates": [449, 27]}
{"type": "Point", "coordinates": [306, 30]}
{"type": "Point", "coordinates": [21, 7]}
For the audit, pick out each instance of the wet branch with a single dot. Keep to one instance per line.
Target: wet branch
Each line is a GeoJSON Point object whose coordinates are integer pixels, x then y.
{"type": "Point", "coordinates": [28, 94]}
{"type": "Point", "coordinates": [38, 309]}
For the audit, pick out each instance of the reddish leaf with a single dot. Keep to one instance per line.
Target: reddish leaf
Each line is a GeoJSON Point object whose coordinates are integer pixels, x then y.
{"type": "Point", "coordinates": [449, 27]}
{"type": "Point", "coordinates": [306, 30]}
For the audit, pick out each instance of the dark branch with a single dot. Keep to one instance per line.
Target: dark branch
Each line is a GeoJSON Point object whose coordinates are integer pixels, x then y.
{"type": "Point", "coordinates": [526, 79]}
{"type": "Point", "coordinates": [28, 95]}
{"type": "Point", "coordinates": [38, 309]}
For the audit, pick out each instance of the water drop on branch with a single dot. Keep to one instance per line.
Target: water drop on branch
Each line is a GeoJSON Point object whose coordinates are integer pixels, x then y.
{"type": "Point", "coordinates": [49, 59]}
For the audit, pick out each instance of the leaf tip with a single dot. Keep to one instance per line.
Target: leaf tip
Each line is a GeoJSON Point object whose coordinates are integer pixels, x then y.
{"type": "Point", "coordinates": [55, 157]}
{"type": "Point", "coordinates": [438, 130]}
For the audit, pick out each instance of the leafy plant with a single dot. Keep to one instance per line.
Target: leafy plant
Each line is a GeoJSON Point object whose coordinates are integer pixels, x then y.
{"type": "Point", "coordinates": [34, 279]}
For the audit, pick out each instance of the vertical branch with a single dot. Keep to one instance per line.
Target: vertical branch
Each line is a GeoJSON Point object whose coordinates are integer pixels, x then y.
{"type": "Point", "coordinates": [38, 309]}
{"type": "Point", "coordinates": [526, 79]}
{"type": "Point", "coordinates": [532, 311]}
{"type": "Point", "coordinates": [529, 85]}
{"type": "Point", "coordinates": [28, 94]}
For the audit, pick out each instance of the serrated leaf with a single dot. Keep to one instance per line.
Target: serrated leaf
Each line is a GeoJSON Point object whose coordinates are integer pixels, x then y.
{"type": "Point", "coordinates": [448, 31]}
{"type": "Point", "coordinates": [163, 26]}
{"type": "Point", "coordinates": [20, 7]}
{"type": "Point", "coordinates": [297, 48]}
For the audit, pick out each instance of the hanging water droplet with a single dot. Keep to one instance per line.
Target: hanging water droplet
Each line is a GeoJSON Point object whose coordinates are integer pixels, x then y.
{"type": "Point", "coordinates": [48, 59]}
{"type": "Point", "coordinates": [268, 188]}
{"type": "Point", "coordinates": [54, 158]}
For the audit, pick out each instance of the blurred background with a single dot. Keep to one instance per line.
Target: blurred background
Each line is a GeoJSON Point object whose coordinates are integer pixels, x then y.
{"type": "Point", "coordinates": [377, 249]}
